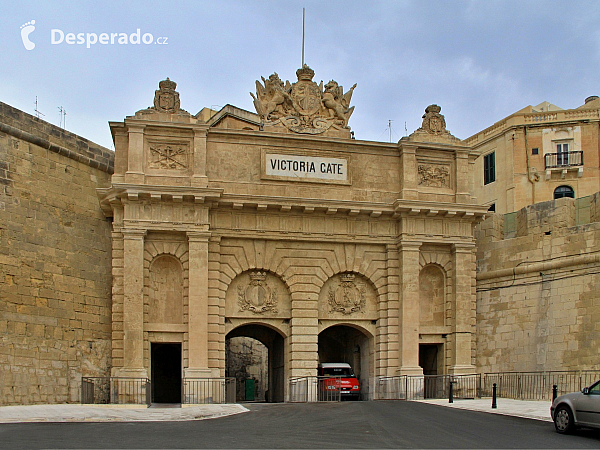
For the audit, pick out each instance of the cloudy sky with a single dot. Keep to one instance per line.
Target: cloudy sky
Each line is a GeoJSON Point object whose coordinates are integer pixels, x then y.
{"type": "Point", "coordinates": [481, 60]}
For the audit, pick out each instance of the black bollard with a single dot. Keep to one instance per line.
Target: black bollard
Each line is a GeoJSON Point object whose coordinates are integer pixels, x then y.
{"type": "Point", "coordinates": [451, 398]}
{"type": "Point", "coordinates": [554, 392]}
{"type": "Point", "coordinates": [494, 404]}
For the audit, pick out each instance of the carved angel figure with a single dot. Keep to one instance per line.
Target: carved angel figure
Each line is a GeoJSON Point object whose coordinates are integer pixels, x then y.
{"type": "Point", "coordinates": [271, 97]}
{"type": "Point", "coordinates": [338, 103]}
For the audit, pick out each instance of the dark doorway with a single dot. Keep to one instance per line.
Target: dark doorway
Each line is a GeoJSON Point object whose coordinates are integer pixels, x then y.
{"type": "Point", "coordinates": [345, 344]}
{"type": "Point", "coordinates": [166, 373]}
{"type": "Point", "coordinates": [274, 343]}
{"type": "Point", "coordinates": [428, 360]}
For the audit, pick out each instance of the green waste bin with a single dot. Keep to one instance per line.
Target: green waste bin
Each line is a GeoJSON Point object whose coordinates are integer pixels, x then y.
{"type": "Point", "coordinates": [249, 390]}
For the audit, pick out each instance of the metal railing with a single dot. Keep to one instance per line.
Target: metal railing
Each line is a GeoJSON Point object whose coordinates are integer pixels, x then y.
{"type": "Point", "coordinates": [564, 159]}
{"type": "Point", "coordinates": [514, 385]}
{"type": "Point", "coordinates": [537, 385]}
{"type": "Point", "coordinates": [410, 387]}
{"type": "Point", "coordinates": [317, 389]}
{"type": "Point", "coordinates": [115, 390]}
{"type": "Point", "coordinates": [208, 390]}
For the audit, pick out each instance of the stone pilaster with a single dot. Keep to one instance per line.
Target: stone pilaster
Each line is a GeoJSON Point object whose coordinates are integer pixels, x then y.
{"type": "Point", "coordinates": [198, 305]}
{"type": "Point", "coordinates": [216, 308]}
{"type": "Point", "coordinates": [463, 177]}
{"type": "Point", "coordinates": [408, 172]}
{"type": "Point", "coordinates": [409, 308]}
{"type": "Point", "coordinates": [133, 305]}
{"type": "Point", "coordinates": [135, 155]}
{"type": "Point", "coordinates": [389, 316]}
{"type": "Point", "coordinates": [199, 177]}
{"type": "Point", "coordinates": [464, 308]}
{"type": "Point", "coordinates": [303, 342]}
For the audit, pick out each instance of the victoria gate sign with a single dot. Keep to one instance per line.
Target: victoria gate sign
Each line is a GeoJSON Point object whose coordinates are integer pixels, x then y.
{"type": "Point", "coordinates": [306, 168]}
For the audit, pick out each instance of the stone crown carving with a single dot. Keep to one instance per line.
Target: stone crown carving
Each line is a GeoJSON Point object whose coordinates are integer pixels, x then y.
{"type": "Point", "coordinates": [303, 107]}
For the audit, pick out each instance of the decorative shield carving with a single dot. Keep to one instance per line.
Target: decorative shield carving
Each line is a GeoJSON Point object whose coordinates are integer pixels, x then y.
{"type": "Point", "coordinates": [166, 99]}
{"type": "Point", "coordinates": [257, 296]}
{"type": "Point", "coordinates": [306, 97]}
{"type": "Point", "coordinates": [347, 297]}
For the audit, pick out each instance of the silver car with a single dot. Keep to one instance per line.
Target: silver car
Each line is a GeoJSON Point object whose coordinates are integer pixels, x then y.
{"type": "Point", "coordinates": [577, 409]}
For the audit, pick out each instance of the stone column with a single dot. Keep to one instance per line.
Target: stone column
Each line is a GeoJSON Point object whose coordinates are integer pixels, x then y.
{"type": "Point", "coordinates": [198, 306]}
{"type": "Point", "coordinates": [135, 155]}
{"type": "Point", "coordinates": [464, 308]}
{"type": "Point", "coordinates": [409, 308]}
{"type": "Point", "coordinates": [133, 305]}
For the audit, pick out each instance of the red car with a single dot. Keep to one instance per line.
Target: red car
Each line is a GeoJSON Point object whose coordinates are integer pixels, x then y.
{"type": "Point", "coordinates": [337, 382]}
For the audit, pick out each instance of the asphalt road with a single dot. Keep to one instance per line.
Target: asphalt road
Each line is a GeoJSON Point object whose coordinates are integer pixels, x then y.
{"type": "Point", "coordinates": [389, 424]}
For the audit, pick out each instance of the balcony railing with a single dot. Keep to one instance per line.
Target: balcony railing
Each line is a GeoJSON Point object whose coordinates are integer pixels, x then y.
{"type": "Point", "coordinates": [563, 160]}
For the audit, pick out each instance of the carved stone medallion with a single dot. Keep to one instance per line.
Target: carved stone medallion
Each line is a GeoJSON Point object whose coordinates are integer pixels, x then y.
{"type": "Point", "coordinates": [168, 156]}
{"type": "Point", "coordinates": [257, 297]}
{"type": "Point", "coordinates": [434, 175]}
{"type": "Point", "coordinates": [166, 99]}
{"type": "Point", "coordinates": [348, 297]}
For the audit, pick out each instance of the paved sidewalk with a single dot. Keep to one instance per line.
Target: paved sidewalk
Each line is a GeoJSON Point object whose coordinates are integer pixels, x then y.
{"type": "Point", "coordinates": [539, 410]}
{"type": "Point", "coordinates": [113, 413]}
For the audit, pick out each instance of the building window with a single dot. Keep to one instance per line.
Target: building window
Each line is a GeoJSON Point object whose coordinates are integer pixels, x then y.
{"type": "Point", "coordinates": [535, 151]}
{"type": "Point", "coordinates": [489, 168]}
{"type": "Point", "coordinates": [492, 208]}
{"type": "Point", "coordinates": [564, 191]}
{"type": "Point", "coordinates": [562, 154]}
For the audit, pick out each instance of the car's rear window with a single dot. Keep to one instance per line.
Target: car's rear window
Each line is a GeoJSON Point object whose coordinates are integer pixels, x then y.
{"type": "Point", "coordinates": [339, 371]}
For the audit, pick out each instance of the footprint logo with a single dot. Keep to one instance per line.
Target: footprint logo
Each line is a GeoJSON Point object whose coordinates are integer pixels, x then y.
{"type": "Point", "coordinates": [26, 30]}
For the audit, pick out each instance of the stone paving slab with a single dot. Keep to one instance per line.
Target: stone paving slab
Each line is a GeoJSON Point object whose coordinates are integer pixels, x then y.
{"type": "Point", "coordinates": [538, 410]}
{"type": "Point", "coordinates": [113, 413]}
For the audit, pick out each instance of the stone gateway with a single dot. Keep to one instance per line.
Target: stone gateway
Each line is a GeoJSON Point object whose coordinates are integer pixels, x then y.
{"type": "Point", "coordinates": [281, 228]}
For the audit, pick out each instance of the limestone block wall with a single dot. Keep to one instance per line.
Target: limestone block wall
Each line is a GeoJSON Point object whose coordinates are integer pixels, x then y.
{"type": "Point", "coordinates": [55, 261]}
{"type": "Point", "coordinates": [538, 289]}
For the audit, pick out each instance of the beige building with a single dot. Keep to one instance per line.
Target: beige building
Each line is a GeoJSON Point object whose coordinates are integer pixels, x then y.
{"type": "Point", "coordinates": [280, 227]}
{"type": "Point", "coordinates": [538, 154]}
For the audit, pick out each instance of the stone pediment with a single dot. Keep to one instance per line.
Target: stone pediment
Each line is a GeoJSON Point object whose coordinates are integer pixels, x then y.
{"type": "Point", "coordinates": [303, 107]}
{"type": "Point", "coordinates": [433, 128]}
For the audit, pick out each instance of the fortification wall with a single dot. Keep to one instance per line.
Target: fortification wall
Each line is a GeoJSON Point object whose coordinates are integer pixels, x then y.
{"type": "Point", "coordinates": [538, 287]}
{"type": "Point", "coordinates": [55, 261]}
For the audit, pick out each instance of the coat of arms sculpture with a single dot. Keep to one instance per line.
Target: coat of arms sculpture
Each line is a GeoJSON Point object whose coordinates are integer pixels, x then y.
{"type": "Point", "coordinates": [303, 107]}
{"type": "Point", "coordinates": [166, 99]}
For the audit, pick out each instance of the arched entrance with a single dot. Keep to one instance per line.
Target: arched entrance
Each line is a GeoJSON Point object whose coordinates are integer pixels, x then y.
{"type": "Point", "coordinates": [257, 338]}
{"type": "Point", "coordinates": [352, 345]}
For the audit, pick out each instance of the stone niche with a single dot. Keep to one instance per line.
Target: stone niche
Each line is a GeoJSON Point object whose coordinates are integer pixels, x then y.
{"type": "Point", "coordinates": [432, 295]}
{"type": "Point", "coordinates": [165, 291]}
{"type": "Point", "coordinates": [258, 293]}
{"type": "Point", "coordinates": [348, 296]}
